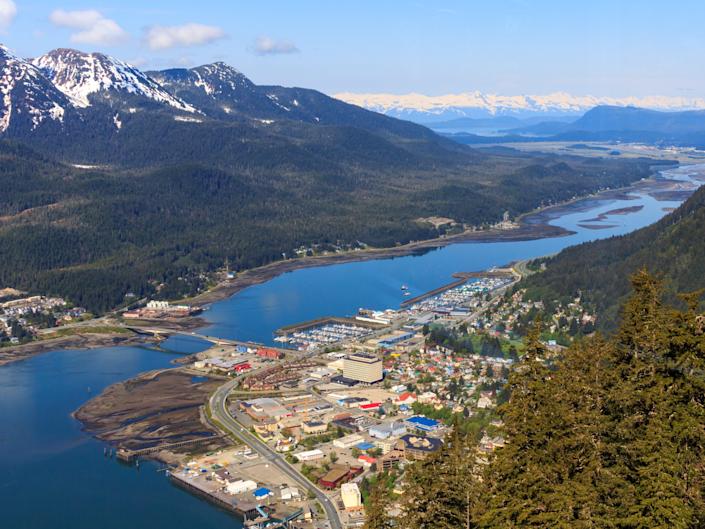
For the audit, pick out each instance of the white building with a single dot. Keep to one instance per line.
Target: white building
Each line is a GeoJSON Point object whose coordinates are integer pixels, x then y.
{"type": "Point", "coordinates": [310, 455]}
{"type": "Point", "coordinates": [348, 441]}
{"type": "Point", "coordinates": [240, 486]}
{"type": "Point", "coordinates": [350, 494]}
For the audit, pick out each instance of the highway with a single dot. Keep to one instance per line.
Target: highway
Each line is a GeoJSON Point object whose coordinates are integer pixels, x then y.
{"type": "Point", "coordinates": [219, 410]}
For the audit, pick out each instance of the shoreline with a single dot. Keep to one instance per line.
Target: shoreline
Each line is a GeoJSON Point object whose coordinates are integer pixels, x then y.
{"type": "Point", "coordinates": [17, 353]}
{"type": "Point", "coordinates": [532, 225]}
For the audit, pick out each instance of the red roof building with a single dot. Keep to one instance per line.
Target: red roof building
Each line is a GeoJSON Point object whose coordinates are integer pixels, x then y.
{"type": "Point", "coordinates": [271, 354]}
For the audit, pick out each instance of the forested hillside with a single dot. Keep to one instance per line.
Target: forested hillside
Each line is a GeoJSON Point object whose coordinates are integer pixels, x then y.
{"type": "Point", "coordinates": [673, 248]}
{"type": "Point", "coordinates": [95, 235]}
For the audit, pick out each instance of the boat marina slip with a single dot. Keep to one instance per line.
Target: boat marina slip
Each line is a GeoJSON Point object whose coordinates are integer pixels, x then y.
{"type": "Point", "coordinates": [45, 454]}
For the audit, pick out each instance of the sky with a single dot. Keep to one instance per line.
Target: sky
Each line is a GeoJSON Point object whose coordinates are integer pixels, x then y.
{"type": "Point", "coordinates": [509, 47]}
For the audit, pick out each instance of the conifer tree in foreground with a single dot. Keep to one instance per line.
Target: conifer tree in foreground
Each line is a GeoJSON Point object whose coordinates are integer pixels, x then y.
{"type": "Point", "coordinates": [377, 512]}
{"type": "Point", "coordinates": [442, 490]}
{"type": "Point", "coordinates": [612, 435]}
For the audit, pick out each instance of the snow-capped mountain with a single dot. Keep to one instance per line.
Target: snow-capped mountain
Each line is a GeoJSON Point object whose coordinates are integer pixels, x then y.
{"type": "Point", "coordinates": [28, 98]}
{"type": "Point", "coordinates": [81, 76]}
{"type": "Point", "coordinates": [419, 107]}
{"type": "Point", "coordinates": [215, 80]}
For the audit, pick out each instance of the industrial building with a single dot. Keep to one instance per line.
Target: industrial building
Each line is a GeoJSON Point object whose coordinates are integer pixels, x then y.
{"type": "Point", "coordinates": [363, 367]}
{"type": "Point", "coordinates": [386, 430]}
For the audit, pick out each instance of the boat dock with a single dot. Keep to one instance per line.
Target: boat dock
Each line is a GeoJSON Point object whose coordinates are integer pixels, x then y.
{"type": "Point", "coordinates": [461, 278]}
{"type": "Point", "coordinates": [318, 322]}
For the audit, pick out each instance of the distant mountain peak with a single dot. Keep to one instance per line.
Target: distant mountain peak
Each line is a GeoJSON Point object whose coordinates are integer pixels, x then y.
{"type": "Point", "coordinates": [27, 96]}
{"type": "Point", "coordinates": [80, 75]}
{"type": "Point", "coordinates": [477, 104]}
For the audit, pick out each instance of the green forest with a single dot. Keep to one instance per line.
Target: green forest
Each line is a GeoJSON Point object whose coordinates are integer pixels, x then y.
{"type": "Point", "coordinates": [608, 434]}
{"type": "Point", "coordinates": [599, 271]}
{"type": "Point", "coordinates": [149, 227]}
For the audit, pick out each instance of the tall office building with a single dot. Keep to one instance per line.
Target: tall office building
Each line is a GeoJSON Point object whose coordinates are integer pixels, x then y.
{"type": "Point", "coordinates": [363, 368]}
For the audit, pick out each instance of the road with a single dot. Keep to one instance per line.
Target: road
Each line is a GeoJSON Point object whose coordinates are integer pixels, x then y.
{"type": "Point", "coordinates": [219, 410]}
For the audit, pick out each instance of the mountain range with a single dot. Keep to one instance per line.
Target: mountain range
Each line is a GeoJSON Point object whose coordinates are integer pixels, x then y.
{"type": "Point", "coordinates": [602, 123]}
{"type": "Point", "coordinates": [119, 181]}
{"type": "Point", "coordinates": [431, 109]}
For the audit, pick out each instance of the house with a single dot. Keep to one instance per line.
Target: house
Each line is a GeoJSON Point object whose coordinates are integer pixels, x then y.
{"type": "Point", "coordinates": [406, 397]}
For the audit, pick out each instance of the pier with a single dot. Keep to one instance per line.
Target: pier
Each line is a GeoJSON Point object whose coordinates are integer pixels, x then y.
{"type": "Point", "coordinates": [128, 456]}
{"type": "Point", "coordinates": [253, 515]}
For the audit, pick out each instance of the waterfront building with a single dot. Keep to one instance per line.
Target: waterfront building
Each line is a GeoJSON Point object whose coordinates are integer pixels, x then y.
{"type": "Point", "coordinates": [363, 367]}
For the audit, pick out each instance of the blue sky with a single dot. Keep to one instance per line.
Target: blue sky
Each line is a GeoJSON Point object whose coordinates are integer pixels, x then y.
{"type": "Point", "coordinates": [605, 48]}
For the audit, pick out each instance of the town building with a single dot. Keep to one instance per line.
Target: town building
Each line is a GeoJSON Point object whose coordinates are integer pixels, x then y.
{"type": "Point", "coordinates": [363, 367]}
{"type": "Point", "coordinates": [310, 455]}
{"type": "Point", "coordinates": [348, 441]}
{"type": "Point", "coordinates": [388, 429]}
{"type": "Point", "coordinates": [419, 422]}
{"type": "Point", "coordinates": [337, 475]}
{"type": "Point", "coordinates": [350, 494]}
{"type": "Point", "coordinates": [314, 427]}
{"type": "Point", "coordinates": [414, 447]}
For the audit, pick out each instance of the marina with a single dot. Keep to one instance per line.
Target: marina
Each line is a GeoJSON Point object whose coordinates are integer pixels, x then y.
{"type": "Point", "coordinates": [325, 331]}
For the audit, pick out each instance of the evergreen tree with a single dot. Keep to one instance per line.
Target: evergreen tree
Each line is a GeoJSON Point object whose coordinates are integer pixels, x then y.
{"type": "Point", "coordinates": [442, 490]}
{"type": "Point", "coordinates": [377, 511]}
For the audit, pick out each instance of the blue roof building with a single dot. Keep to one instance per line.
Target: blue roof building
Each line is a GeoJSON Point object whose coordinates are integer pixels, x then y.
{"type": "Point", "coordinates": [365, 446]}
{"type": "Point", "coordinates": [262, 493]}
{"type": "Point", "coordinates": [422, 423]}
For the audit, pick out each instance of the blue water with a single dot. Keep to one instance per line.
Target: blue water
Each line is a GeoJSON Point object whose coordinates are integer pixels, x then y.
{"type": "Point", "coordinates": [54, 475]}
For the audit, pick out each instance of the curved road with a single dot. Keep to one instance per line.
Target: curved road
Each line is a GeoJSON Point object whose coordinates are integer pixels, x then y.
{"type": "Point", "coordinates": [220, 412]}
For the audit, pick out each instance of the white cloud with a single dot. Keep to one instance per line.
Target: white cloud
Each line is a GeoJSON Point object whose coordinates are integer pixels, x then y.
{"type": "Point", "coordinates": [268, 46]}
{"type": "Point", "coordinates": [8, 10]}
{"type": "Point", "coordinates": [92, 26]}
{"type": "Point", "coordinates": [165, 37]}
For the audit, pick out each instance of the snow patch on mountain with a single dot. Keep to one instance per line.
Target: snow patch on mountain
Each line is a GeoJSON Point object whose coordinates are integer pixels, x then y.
{"type": "Point", "coordinates": [80, 75]}
{"type": "Point", "coordinates": [25, 91]}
